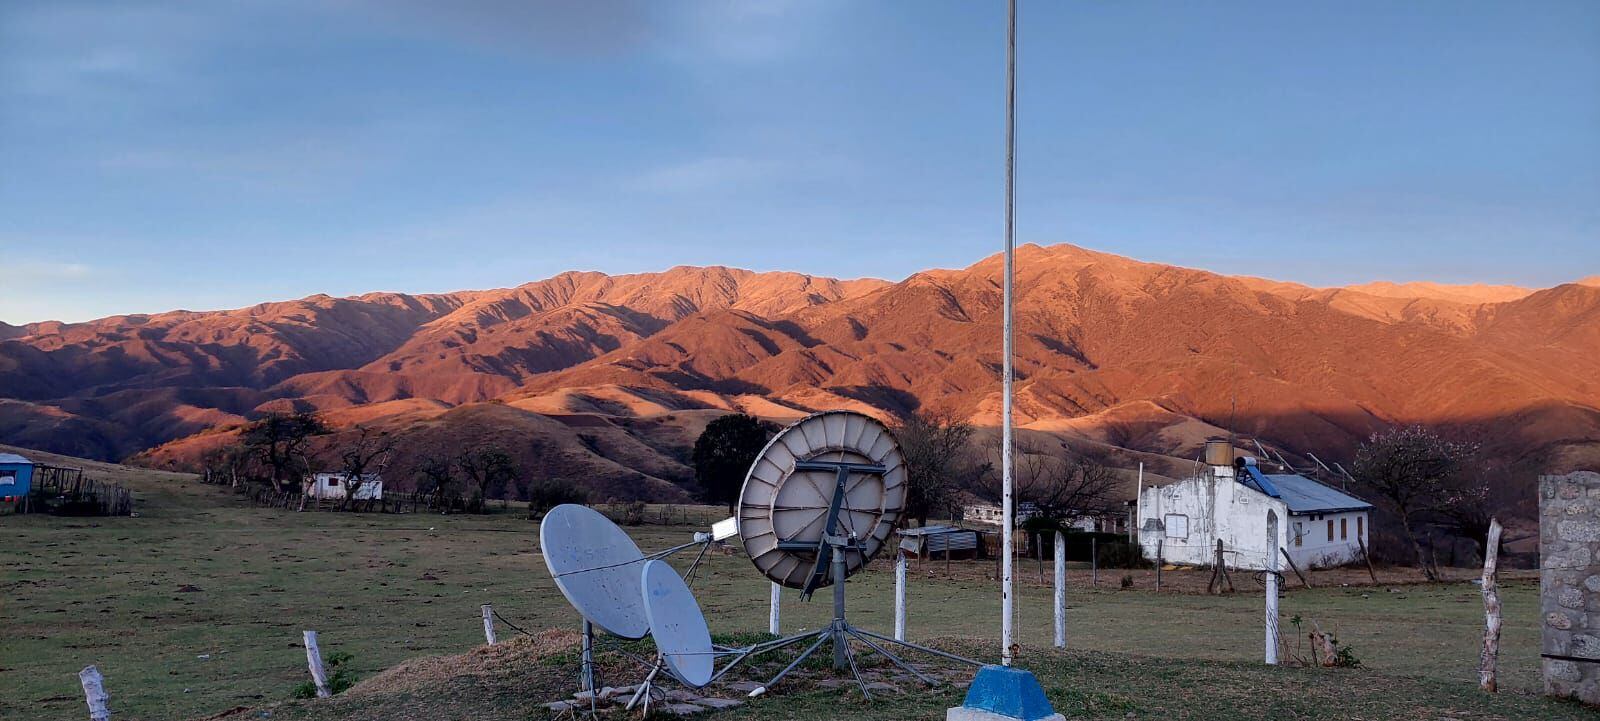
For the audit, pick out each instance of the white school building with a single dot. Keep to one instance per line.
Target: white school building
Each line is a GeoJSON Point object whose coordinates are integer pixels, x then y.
{"type": "Point", "coordinates": [1318, 526]}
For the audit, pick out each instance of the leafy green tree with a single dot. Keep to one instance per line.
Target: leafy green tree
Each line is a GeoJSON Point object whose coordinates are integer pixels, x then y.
{"type": "Point", "coordinates": [486, 467]}
{"type": "Point", "coordinates": [279, 441]}
{"type": "Point", "coordinates": [723, 455]}
{"type": "Point", "coordinates": [547, 493]}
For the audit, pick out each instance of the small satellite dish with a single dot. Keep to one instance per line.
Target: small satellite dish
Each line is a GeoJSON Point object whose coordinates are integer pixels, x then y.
{"type": "Point", "coordinates": [676, 624]}
{"type": "Point", "coordinates": [596, 566]}
{"type": "Point", "coordinates": [788, 496]}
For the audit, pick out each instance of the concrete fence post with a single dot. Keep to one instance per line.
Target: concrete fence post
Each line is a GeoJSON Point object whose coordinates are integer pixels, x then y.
{"type": "Point", "coordinates": [1061, 590]}
{"type": "Point", "coordinates": [488, 623]}
{"type": "Point", "coordinates": [94, 692]}
{"type": "Point", "coordinates": [773, 613]}
{"type": "Point", "coordinates": [900, 595]}
{"type": "Point", "coordinates": [319, 674]}
{"type": "Point", "coordinates": [1271, 617]}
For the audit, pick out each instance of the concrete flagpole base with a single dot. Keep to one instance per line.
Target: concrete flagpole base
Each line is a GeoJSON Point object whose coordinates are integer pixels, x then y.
{"type": "Point", "coordinates": [1004, 693]}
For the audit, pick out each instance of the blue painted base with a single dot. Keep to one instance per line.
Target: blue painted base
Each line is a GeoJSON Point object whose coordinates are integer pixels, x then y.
{"type": "Point", "coordinates": [1003, 692]}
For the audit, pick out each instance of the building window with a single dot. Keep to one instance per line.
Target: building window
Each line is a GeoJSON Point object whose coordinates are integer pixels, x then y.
{"type": "Point", "coordinates": [1299, 533]}
{"type": "Point", "coordinates": [1177, 525]}
{"type": "Point", "coordinates": [1359, 524]}
{"type": "Point", "coordinates": [1330, 530]}
{"type": "Point", "coordinates": [1344, 529]}
{"type": "Point", "coordinates": [8, 478]}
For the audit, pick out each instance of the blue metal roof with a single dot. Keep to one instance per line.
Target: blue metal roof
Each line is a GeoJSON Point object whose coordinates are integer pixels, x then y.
{"type": "Point", "coordinates": [1302, 495]}
{"type": "Point", "coordinates": [9, 458]}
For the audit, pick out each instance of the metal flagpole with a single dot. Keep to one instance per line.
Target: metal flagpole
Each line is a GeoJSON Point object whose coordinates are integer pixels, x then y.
{"type": "Point", "coordinates": [1008, 510]}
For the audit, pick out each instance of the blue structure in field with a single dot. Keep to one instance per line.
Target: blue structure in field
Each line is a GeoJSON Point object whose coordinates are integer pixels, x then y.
{"type": "Point", "coordinates": [1004, 693]}
{"type": "Point", "coordinates": [16, 477]}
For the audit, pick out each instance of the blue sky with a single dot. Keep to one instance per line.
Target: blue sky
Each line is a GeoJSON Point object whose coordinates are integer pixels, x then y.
{"type": "Point", "coordinates": [203, 155]}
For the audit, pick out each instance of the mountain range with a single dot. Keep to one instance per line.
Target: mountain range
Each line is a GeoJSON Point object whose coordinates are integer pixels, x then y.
{"type": "Point", "coordinates": [609, 378]}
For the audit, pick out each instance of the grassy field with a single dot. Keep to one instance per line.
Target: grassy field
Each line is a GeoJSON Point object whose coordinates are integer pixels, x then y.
{"type": "Point", "coordinates": [196, 606]}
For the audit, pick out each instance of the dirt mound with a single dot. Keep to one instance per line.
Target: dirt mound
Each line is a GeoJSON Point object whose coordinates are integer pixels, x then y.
{"type": "Point", "coordinates": [507, 657]}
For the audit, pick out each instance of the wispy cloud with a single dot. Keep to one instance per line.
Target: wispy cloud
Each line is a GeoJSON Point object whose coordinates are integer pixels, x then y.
{"type": "Point", "coordinates": [590, 28]}
{"type": "Point", "coordinates": [28, 271]}
{"type": "Point", "coordinates": [703, 174]}
{"type": "Point", "coordinates": [733, 171]}
{"type": "Point", "coordinates": [754, 31]}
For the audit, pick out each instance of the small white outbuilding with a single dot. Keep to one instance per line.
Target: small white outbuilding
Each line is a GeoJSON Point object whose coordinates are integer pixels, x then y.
{"type": "Point", "coordinates": [1317, 525]}
{"type": "Point", "coordinates": [368, 486]}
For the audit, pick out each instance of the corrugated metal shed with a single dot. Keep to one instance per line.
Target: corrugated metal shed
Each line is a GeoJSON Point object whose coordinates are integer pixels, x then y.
{"type": "Point", "coordinates": [1302, 495]}
{"type": "Point", "coordinates": [938, 539]}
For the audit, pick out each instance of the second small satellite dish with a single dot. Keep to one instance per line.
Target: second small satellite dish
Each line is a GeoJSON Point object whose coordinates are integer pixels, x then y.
{"type": "Point", "coordinates": [676, 624]}
{"type": "Point", "coordinates": [788, 495]}
{"type": "Point", "coordinates": [596, 566]}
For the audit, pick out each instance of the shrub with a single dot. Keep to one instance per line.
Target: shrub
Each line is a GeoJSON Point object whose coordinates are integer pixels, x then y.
{"type": "Point", "coordinates": [340, 676]}
{"type": "Point", "coordinates": [551, 492]}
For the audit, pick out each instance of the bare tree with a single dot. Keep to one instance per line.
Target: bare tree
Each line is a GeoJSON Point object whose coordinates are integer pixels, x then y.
{"type": "Point", "coordinates": [1416, 472]}
{"type": "Point", "coordinates": [485, 467]}
{"type": "Point", "coordinates": [1469, 512]}
{"type": "Point", "coordinates": [937, 449]}
{"type": "Point", "coordinates": [228, 465]}
{"type": "Point", "coordinates": [367, 454]}
{"type": "Point", "coordinates": [1061, 485]}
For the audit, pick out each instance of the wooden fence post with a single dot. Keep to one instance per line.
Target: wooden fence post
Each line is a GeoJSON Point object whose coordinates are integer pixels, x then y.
{"type": "Point", "coordinates": [1366, 556]}
{"type": "Point", "coordinates": [1214, 586]}
{"type": "Point", "coordinates": [1294, 567]}
{"type": "Point", "coordinates": [1159, 563]}
{"type": "Point", "coordinates": [1489, 663]}
{"type": "Point", "coordinates": [319, 674]}
{"type": "Point", "coordinates": [488, 623]}
{"type": "Point", "coordinates": [94, 692]}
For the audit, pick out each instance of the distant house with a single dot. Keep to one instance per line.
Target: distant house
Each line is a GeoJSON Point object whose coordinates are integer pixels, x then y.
{"type": "Point", "coordinates": [16, 479]}
{"type": "Point", "coordinates": [1088, 521]}
{"type": "Point", "coordinates": [1318, 526]}
{"type": "Point", "coordinates": [990, 513]}
{"type": "Point", "coordinates": [369, 486]}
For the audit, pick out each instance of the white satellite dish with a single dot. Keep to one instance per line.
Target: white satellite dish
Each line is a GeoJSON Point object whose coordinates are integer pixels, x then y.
{"type": "Point", "coordinates": [597, 567]}
{"type": "Point", "coordinates": [677, 625]}
{"type": "Point", "coordinates": [792, 497]}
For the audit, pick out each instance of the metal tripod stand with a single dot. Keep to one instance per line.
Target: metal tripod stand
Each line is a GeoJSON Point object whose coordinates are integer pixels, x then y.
{"type": "Point", "coordinates": [840, 631]}
{"type": "Point", "coordinates": [830, 553]}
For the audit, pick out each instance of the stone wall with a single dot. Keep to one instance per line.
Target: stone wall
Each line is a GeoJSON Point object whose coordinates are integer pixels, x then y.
{"type": "Point", "coordinates": [1569, 585]}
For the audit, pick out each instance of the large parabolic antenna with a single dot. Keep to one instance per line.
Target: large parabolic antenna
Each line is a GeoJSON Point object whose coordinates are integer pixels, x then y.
{"type": "Point", "coordinates": [789, 496]}
{"type": "Point", "coordinates": [597, 567]}
{"type": "Point", "coordinates": [677, 625]}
